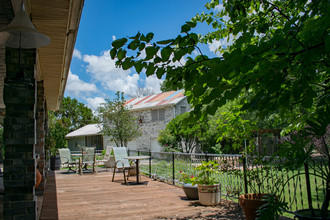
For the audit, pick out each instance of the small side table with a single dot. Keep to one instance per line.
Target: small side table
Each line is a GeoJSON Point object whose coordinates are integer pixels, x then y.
{"type": "Point", "coordinates": [137, 159]}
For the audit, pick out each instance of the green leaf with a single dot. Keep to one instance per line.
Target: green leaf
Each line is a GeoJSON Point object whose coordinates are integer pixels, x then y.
{"type": "Point", "coordinates": [166, 53]}
{"type": "Point", "coordinates": [119, 43]}
{"type": "Point", "coordinates": [164, 42]}
{"type": "Point", "coordinates": [327, 43]}
{"type": "Point", "coordinates": [160, 72]}
{"type": "Point", "coordinates": [127, 64]}
{"type": "Point", "coordinates": [149, 37]}
{"type": "Point", "coordinates": [134, 44]}
{"type": "Point", "coordinates": [121, 54]}
{"type": "Point", "coordinates": [113, 52]}
{"type": "Point", "coordinates": [151, 52]}
{"type": "Point", "coordinates": [191, 24]}
{"type": "Point", "coordinates": [151, 69]}
{"type": "Point", "coordinates": [138, 66]}
{"type": "Point", "coordinates": [157, 59]}
{"type": "Point", "coordinates": [136, 36]}
{"type": "Point", "coordinates": [185, 28]}
{"type": "Point", "coordinates": [142, 46]}
{"type": "Point", "coordinates": [194, 37]}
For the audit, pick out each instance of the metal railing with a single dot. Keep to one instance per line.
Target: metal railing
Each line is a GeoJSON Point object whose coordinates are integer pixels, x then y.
{"type": "Point", "coordinates": [238, 175]}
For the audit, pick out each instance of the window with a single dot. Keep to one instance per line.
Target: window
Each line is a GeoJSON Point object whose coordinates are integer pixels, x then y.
{"type": "Point", "coordinates": [183, 109]}
{"type": "Point", "coordinates": [158, 115]}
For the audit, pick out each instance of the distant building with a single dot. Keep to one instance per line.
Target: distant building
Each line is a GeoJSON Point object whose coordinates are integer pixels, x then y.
{"type": "Point", "coordinates": [89, 136]}
{"type": "Point", "coordinates": [153, 113]}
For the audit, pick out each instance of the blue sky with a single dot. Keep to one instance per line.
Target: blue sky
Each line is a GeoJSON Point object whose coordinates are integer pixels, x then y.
{"type": "Point", "coordinates": [93, 76]}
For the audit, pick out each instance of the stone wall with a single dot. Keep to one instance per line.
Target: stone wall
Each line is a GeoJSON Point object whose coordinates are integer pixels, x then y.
{"type": "Point", "coordinates": [19, 136]}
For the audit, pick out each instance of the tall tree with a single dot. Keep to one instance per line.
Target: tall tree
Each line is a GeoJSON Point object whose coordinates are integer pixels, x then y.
{"type": "Point", "coordinates": [55, 137]}
{"type": "Point", "coordinates": [74, 114]}
{"type": "Point", "coordinates": [181, 134]}
{"type": "Point", "coordinates": [118, 122]}
{"type": "Point", "coordinates": [71, 116]}
{"type": "Point", "coordinates": [279, 58]}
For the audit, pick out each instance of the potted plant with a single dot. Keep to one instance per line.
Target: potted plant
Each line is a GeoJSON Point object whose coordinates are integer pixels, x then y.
{"type": "Point", "coordinates": [190, 190]}
{"type": "Point", "coordinates": [258, 202]}
{"type": "Point", "coordinates": [309, 148]}
{"type": "Point", "coordinates": [207, 182]}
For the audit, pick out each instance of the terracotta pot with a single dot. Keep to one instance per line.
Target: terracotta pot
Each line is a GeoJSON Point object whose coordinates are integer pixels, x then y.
{"type": "Point", "coordinates": [305, 214]}
{"type": "Point", "coordinates": [190, 191]}
{"type": "Point", "coordinates": [250, 204]}
{"type": "Point", "coordinates": [209, 194]}
{"type": "Point", "coordinates": [38, 178]}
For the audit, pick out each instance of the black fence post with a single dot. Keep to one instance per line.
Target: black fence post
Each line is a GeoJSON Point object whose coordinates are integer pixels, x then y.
{"type": "Point", "coordinates": [245, 177]}
{"type": "Point", "coordinates": [206, 156]}
{"type": "Point", "coordinates": [309, 192]}
{"type": "Point", "coordinates": [173, 168]}
{"type": "Point", "coordinates": [129, 152]}
{"type": "Point", "coordinates": [150, 163]}
{"type": "Point", "coordinates": [138, 152]}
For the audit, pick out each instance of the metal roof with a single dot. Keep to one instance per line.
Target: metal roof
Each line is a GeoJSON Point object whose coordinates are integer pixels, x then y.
{"type": "Point", "coordinates": [87, 130]}
{"type": "Point", "coordinates": [156, 101]}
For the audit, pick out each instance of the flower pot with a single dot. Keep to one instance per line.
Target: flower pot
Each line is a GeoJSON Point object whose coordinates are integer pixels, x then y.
{"type": "Point", "coordinates": [38, 178]}
{"type": "Point", "coordinates": [250, 204]}
{"type": "Point", "coordinates": [190, 191]}
{"type": "Point", "coordinates": [305, 214]}
{"type": "Point", "coordinates": [209, 194]}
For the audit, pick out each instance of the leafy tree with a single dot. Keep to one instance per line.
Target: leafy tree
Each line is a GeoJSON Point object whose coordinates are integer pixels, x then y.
{"type": "Point", "coordinates": [279, 58]}
{"type": "Point", "coordinates": [164, 87]}
{"type": "Point", "coordinates": [55, 137]}
{"type": "Point", "coordinates": [71, 116]}
{"type": "Point", "coordinates": [118, 122]}
{"type": "Point", "coordinates": [182, 134]}
{"type": "Point", "coordinates": [74, 114]}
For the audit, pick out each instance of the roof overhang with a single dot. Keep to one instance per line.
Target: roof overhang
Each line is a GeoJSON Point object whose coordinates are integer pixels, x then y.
{"type": "Point", "coordinates": [59, 20]}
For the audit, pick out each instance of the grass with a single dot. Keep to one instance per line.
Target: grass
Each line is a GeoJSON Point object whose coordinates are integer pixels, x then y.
{"type": "Point", "coordinates": [294, 193]}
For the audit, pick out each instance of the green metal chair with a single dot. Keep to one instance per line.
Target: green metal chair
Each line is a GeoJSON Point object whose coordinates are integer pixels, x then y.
{"type": "Point", "coordinates": [66, 159]}
{"type": "Point", "coordinates": [119, 154]}
{"type": "Point", "coordinates": [88, 159]}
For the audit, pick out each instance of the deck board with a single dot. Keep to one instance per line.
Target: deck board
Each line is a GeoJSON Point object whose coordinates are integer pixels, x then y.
{"type": "Point", "coordinates": [95, 196]}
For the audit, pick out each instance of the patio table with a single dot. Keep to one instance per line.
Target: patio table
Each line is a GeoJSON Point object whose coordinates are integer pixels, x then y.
{"type": "Point", "coordinates": [137, 161]}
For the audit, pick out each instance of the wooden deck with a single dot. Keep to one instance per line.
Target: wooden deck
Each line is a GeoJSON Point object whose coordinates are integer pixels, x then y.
{"type": "Point", "coordinates": [94, 196]}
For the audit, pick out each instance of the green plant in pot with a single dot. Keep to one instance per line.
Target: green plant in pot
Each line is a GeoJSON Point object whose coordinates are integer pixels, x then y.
{"type": "Point", "coordinates": [309, 148]}
{"type": "Point", "coordinates": [262, 202]}
{"type": "Point", "coordinates": [190, 190]}
{"type": "Point", "coordinates": [208, 183]}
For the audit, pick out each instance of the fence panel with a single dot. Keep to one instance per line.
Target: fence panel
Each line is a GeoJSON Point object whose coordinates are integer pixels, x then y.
{"type": "Point", "coordinates": [265, 177]}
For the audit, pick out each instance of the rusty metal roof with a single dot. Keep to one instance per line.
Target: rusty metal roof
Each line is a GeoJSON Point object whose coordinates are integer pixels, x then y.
{"type": "Point", "coordinates": [156, 101]}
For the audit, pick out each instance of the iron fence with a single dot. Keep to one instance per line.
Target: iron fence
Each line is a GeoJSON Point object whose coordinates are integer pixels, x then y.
{"type": "Point", "coordinates": [239, 175]}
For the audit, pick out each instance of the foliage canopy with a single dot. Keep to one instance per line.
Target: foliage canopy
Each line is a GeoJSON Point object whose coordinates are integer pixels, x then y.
{"type": "Point", "coordinates": [279, 58]}
{"type": "Point", "coordinates": [118, 122]}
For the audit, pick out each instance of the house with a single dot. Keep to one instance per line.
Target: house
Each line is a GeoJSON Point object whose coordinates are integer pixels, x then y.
{"type": "Point", "coordinates": [32, 81]}
{"type": "Point", "coordinates": [153, 113]}
{"type": "Point", "coordinates": [89, 136]}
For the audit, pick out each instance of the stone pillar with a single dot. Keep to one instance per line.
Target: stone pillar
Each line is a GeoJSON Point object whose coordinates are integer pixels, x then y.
{"type": "Point", "coordinates": [40, 142]}
{"type": "Point", "coordinates": [19, 135]}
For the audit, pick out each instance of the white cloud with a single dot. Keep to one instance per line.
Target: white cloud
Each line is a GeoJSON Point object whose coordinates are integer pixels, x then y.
{"type": "Point", "coordinates": [223, 43]}
{"type": "Point", "coordinates": [77, 87]}
{"type": "Point", "coordinates": [152, 82]}
{"type": "Point", "coordinates": [219, 7]}
{"type": "Point", "coordinates": [77, 54]}
{"type": "Point", "coordinates": [103, 69]}
{"type": "Point", "coordinates": [113, 37]}
{"type": "Point", "coordinates": [95, 102]}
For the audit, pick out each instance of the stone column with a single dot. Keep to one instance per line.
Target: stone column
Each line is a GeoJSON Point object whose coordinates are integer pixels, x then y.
{"type": "Point", "coordinates": [19, 135]}
{"type": "Point", "coordinates": [40, 142]}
